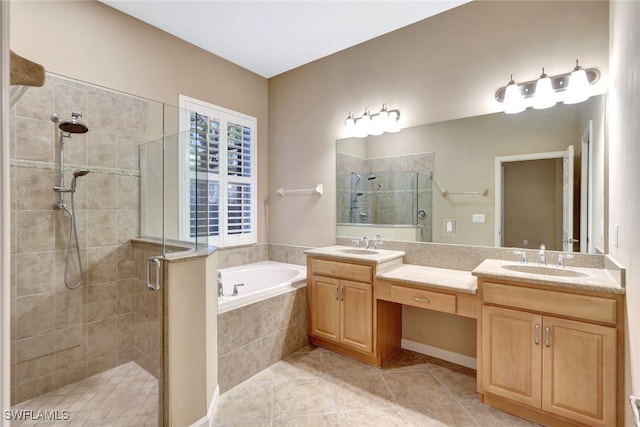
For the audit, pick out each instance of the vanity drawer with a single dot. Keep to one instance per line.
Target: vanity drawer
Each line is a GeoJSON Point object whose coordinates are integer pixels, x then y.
{"type": "Point", "coordinates": [585, 307]}
{"type": "Point", "coordinates": [423, 298]}
{"type": "Point", "coordinates": [342, 270]}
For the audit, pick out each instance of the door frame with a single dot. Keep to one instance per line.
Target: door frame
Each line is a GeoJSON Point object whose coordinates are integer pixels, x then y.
{"type": "Point", "coordinates": [499, 185]}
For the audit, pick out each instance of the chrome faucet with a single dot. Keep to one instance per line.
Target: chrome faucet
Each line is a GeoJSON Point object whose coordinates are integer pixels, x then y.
{"type": "Point", "coordinates": [235, 288]}
{"type": "Point", "coordinates": [541, 256]}
{"type": "Point", "coordinates": [220, 290]}
{"type": "Point", "coordinates": [365, 242]}
{"type": "Point", "coordinates": [562, 257]}
{"type": "Point", "coordinates": [523, 256]}
{"type": "Point", "coordinates": [377, 242]}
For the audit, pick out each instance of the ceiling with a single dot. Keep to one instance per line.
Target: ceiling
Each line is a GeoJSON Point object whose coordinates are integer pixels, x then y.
{"type": "Point", "coordinates": [272, 37]}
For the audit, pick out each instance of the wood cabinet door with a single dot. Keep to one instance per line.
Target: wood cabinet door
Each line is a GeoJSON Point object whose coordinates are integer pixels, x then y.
{"type": "Point", "coordinates": [325, 315]}
{"type": "Point", "coordinates": [356, 314]}
{"type": "Point", "coordinates": [512, 354]}
{"type": "Point", "coordinates": [579, 371]}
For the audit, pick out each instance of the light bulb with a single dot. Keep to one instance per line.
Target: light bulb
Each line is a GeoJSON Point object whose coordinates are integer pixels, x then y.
{"type": "Point", "coordinates": [513, 100]}
{"type": "Point", "coordinates": [350, 124]}
{"type": "Point", "coordinates": [544, 96]}
{"type": "Point", "coordinates": [578, 89]}
{"type": "Point", "coordinates": [393, 123]}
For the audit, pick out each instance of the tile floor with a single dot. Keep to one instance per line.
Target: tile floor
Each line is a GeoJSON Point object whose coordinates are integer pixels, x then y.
{"type": "Point", "coordinates": [126, 395]}
{"type": "Point", "coordinates": [316, 387]}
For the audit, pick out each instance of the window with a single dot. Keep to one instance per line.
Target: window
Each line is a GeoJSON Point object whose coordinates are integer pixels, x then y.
{"type": "Point", "coordinates": [219, 171]}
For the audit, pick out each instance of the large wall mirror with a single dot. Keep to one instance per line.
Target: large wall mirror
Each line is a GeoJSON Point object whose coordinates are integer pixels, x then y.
{"type": "Point", "coordinates": [507, 180]}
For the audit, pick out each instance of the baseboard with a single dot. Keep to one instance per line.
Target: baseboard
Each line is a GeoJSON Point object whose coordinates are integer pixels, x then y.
{"type": "Point", "coordinates": [207, 420]}
{"type": "Point", "coordinates": [449, 356]}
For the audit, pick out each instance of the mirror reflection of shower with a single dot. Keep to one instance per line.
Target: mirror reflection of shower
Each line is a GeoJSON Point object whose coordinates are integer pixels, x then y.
{"type": "Point", "coordinates": [66, 129]}
{"type": "Point", "coordinates": [356, 215]}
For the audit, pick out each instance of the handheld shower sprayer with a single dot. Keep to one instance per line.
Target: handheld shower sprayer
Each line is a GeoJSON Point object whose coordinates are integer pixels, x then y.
{"type": "Point", "coordinates": [76, 174]}
{"type": "Point", "coordinates": [67, 128]}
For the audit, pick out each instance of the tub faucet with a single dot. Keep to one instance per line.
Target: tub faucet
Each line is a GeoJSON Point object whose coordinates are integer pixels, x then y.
{"type": "Point", "coordinates": [235, 288]}
{"type": "Point", "coordinates": [541, 256]}
{"type": "Point", "coordinates": [220, 290]}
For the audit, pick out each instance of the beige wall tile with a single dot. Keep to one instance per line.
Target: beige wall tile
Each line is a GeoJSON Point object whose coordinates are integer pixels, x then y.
{"type": "Point", "coordinates": [101, 301]}
{"type": "Point", "coordinates": [70, 347]}
{"type": "Point", "coordinates": [102, 149]}
{"type": "Point", "coordinates": [34, 231]}
{"type": "Point", "coordinates": [101, 191]}
{"type": "Point", "coordinates": [34, 315]}
{"type": "Point", "coordinates": [102, 264]}
{"type": "Point", "coordinates": [34, 189]}
{"type": "Point", "coordinates": [70, 309]}
{"type": "Point", "coordinates": [101, 228]}
{"type": "Point", "coordinates": [35, 140]}
{"type": "Point", "coordinates": [101, 339]}
{"type": "Point", "coordinates": [128, 192]}
{"type": "Point", "coordinates": [34, 273]}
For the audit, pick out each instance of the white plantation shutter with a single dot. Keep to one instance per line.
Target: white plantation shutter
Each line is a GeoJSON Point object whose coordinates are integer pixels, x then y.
{"type": "Point", "coordinates": [222, 175]}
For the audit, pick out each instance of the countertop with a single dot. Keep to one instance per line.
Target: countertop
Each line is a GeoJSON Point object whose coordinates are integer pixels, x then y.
{"type": "Point", "coordinates": [595, 279]}
{"type": "Point", "coordinates": [431, 277]}
{"type": "Point", "coordinates": [350, 253]}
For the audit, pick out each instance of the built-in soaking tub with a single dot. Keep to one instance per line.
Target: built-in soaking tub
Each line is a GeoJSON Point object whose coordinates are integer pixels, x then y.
{"type": "Point", "coordinates": [264, 323]}
{"type": "Point", "coordinates": [260, 280]}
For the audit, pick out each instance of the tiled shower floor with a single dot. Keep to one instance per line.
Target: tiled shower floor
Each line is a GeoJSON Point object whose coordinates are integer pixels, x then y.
{"type": "Point", "coordinates": [126, 395]}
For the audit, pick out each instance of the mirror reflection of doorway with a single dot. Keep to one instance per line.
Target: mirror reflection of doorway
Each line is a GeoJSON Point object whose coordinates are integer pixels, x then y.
{"type": "Point", "coordinates": [532, 203]}
{"type": "Point", "coordinates": [534, 200]}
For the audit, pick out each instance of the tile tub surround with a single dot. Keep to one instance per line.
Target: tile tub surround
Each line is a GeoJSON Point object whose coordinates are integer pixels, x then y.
{"type": "Point", "coordinates": [256, 336]}
{"type": "Point", "coordinates": [317, 387]}
{"type": "Point", "coordinates": [60, 336]}
{"type": "Point", "coordinates": [235, 256]}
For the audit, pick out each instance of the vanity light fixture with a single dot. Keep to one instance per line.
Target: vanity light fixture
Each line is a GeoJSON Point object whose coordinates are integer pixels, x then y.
{"type": "Point", "coordinates": [544, 92]}
{"type": "Point", "coordinates": [373, 124]}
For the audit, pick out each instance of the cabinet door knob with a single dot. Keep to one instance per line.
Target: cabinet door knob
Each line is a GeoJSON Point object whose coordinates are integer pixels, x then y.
{"type": "Point", "coordinates": [342, 293]}
{"type": "Point", "coordinates": [337, 291]}
{"type": "Point", "coordinates": [547, 336]}
{"type": "Point", "coordinates": [536, 337]}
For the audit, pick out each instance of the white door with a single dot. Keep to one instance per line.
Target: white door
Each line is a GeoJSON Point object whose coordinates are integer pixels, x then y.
{"type": "Point", "coordinates": [567, 201]}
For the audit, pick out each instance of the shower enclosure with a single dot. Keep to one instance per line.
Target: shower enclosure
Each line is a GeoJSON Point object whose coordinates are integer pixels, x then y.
{"type": "Point", "coordinates": [85, 328]}
{"type": "Point", "coordinates": [384, 200]}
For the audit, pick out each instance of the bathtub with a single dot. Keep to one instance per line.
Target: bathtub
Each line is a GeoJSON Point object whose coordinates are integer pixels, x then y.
{"type": "Point", "coordinates": [261, 280]}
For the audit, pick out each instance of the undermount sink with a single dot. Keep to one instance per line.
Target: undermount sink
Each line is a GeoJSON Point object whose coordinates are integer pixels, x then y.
{"type": "Point", "coordinates": [356, 251]}
{"type": "Point", "coordinates": [544, 270]}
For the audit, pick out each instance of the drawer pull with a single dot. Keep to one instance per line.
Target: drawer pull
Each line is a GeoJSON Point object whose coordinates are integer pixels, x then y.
{"type": "Point", "coordinates": [427, 300]}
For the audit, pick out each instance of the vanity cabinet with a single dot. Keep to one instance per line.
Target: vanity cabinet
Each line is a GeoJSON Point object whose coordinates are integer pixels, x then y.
{"type": "Point", "coordinates": [342, 313]}
{"type": "Point", "coordinates": [550, 351]}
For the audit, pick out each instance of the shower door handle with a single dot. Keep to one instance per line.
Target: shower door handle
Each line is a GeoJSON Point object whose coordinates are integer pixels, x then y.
{"type": "Point", "coordinates": [153, 261]}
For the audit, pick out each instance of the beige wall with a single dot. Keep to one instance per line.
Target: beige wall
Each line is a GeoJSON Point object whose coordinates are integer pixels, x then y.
{"type": "Point", "coordinates": [90, 41]}
{"type": "Point", "coordinates": [445, 67]}
{"type": "Point", "coordinates": [624, 173]}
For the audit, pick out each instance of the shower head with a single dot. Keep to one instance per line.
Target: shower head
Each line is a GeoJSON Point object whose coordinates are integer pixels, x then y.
{"type": "Point", "coordinates": [371, 176]}
{"type": "Point", "coordinates": [75, 125]}
{"type": "Point", "coordinates": [76, 174]}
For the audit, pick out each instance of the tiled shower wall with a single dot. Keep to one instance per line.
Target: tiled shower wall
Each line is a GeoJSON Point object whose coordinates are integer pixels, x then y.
{"type": "Point", "coordinates": [59, 335]}
{"type": "Point", "coordinates": [382, 200]}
